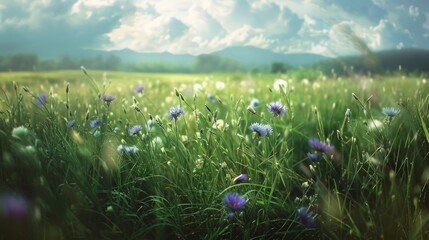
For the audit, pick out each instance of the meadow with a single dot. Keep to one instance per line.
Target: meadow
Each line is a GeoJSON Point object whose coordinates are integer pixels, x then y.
{"type": "Point", "coordinates": [114, 155]}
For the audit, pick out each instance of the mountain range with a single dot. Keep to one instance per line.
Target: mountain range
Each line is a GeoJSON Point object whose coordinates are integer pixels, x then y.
{"type": "Point", "coordinates": [250, 57]}
{"type": "Point", "coordinates": [247, 55]}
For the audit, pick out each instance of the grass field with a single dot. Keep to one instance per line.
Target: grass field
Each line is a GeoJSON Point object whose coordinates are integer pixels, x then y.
{"type": "Point", "coordinates": [240, 156]}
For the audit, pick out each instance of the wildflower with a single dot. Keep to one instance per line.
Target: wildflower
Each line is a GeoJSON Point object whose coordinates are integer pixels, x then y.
{"type": "Point", "coordinates": [241, 178]}
{"type": "Point", "coordinates": [305, 81]}
{"type": "Point", "coordinates": [234, 201]}
{"type": "Point", "coordinates": [320, 146]}
{"type": "Point", "coordinates": [375, 124]}
{"type": "Point", "coordinates": [261, 129]}
{"type": "Point", "coordinates": [139, 89]}
{"type": "Point", "coordinates": [212, 98]}
{"type": "Point", "coordinates": [254, 103]}
{"type": "Point", "coordinates": [229, 215]}
{"type": "Point", "coordinates": [95, 123]}
{"type": "Point", "coordinates": [108, 99]}
{"type": "Point", "coordinates": [314, 156]}
{"type": "Point", "coordinates": [71, 123]}
{"type": "Point", "coordinates": [127, 149]}
{"type": "Point", "coordinates": [307, 217]}
{"type": "Point", "coordinates": [41, 100]}
{"type": "Point", "coordinates": [277, 109]}
{"type": "Point", "coordinates": [134, 130]}
{"type": "Point", "coordinates": [220, 85]}
{"type": "Point", "coordinates": [12, 206]}
{"type": "Point", "coordinates": [280, 85]}
{"type": "Point", "coordinates": [390, 111]}
{"type": "Point", "coordinates": [175, 112]}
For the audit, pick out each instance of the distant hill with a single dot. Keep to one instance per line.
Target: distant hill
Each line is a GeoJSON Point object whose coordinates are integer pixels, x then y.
{"type": "Point", "coordinates": [253, 56]}
{"type": "Point", "coordinates": [130, 56]}
{"type": "Point", "coordinates": [248, 56]}
{"type": "Point", "coordinates": [409, 59]}
{"type": "Point", "coordinates": [232, 58]}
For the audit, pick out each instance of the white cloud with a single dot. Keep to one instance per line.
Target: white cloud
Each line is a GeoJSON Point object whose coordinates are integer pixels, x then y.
{"type": "Point", "coordinates": [308, 20]}
{"type": "Point", "coordinates": [208, 26]}
{"type": "Point", "coordinates": [145, 32]}
{"type": "Point", "coordinates": [202, 24]}
{"type": "Point", "coordinates": [413, 11]}
{"type": "Point", "coordinates": [400, 46]}
{"type": "Point", "coordinates": [82, 5]}
{"type": "Point", "coordinates": [426, 23]}
{"type": "Point", "coordinates": [186, 26]}
{"type": "Point", "coordinates": [380, 3]}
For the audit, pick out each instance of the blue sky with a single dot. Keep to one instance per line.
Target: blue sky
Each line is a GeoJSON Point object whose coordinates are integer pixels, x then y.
{"type": "Point", "coordinates": [195, 27]}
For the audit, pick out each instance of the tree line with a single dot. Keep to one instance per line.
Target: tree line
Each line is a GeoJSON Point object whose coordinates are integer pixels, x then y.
{"type": "Point", "coordinates": [31, 62]}
{"type": "Point", "coordinates": [205, 63]}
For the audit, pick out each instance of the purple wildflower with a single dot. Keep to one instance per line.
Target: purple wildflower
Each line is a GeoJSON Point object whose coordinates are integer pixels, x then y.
{"type": "Point", "coordinates": [95, 123]}
{"type": "Point", "coordinates": [277, 109]}
{"type": "Point", "coordinates": [254, 103]}
{"type": "Point", "coordinates": [307, 217]}
{"type": "Point", "coordinates": [175, 112]}
{"type": "Point", "coordinates": [12, 206]}
{"type": "Point", "coordinates": [261, 129]}
{"type": "Point", "coordinates": [320, 146]}
{"type": "Point", "coordinates": [241, 178]}
{"type": "Point", "coordinates": [212, 98]}
{"type": "Point", "coordinates": [139, 89]}
{"type": "Point", "coordinates": [234, 201]}
{"type": "Point", "coordinates": [314, 156]}
{"type": "Point", "coordinates": [71, 123]}
{"type": "Point", "coordinates": [41, 100]}
{"type": "Point", "coordinates": [108, 99]}
{"type": "Point", "coordinates": [229, 215]}
{"type": "Point", "coordinates": [122, 149]}
{"type": "Point", "coordinates": [134, 130]}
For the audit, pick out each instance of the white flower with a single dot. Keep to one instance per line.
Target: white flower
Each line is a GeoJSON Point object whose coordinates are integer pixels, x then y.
{"type": "Point", "coordinates": [280, 85]}
{"type": "Point", "coordinates": [220, 85]}
{"type": "Point", "coordinates": [305, 81]}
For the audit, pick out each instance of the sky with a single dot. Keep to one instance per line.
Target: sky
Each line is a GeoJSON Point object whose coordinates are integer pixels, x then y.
{"type": "Point", "coordinates": [196, 27]}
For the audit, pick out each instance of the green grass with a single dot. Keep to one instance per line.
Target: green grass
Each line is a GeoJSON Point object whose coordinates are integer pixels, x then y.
{"type": "Point", "coordinates": [77, 185]}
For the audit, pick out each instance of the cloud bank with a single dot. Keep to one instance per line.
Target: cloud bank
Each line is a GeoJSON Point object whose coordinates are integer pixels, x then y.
{"type": "Point", "coordinates": [195, 27]}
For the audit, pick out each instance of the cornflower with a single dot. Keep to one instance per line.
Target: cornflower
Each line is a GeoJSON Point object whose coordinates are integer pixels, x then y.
{"type": "Point", "coordinates": [134, 130]}
{"type": "Point", "coordinates": [261, 129]}
{"type": "Point", "coordinates": [175, 112]}
{"type": "Point", "coordinates": [108, 99]}
{"type": "Point", "coordinates": [254, 103]}
{"type": "Point", "coordinates": [390, 111]}
{"type": "Point", "coordinates": [320, 146]}
{"type": "Point", "coordinates": [41, 100]}
{"type": "Point", "coordinates": [95, 123]}
{"type": "Point", "coordinates": [139, 89]}
{"type": "Point", "coordinates": [234, 201]}
{"type": "Point", "coordinates": [277, 109]}
{"type": "Point", "coordinates": [122, 149]}
{"type": "Point", "coordinates": [71, 123]}
{"type": "Point", "coordinates": [314, 156]}
{"type": "Point", "coordinates": [307, 217]}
